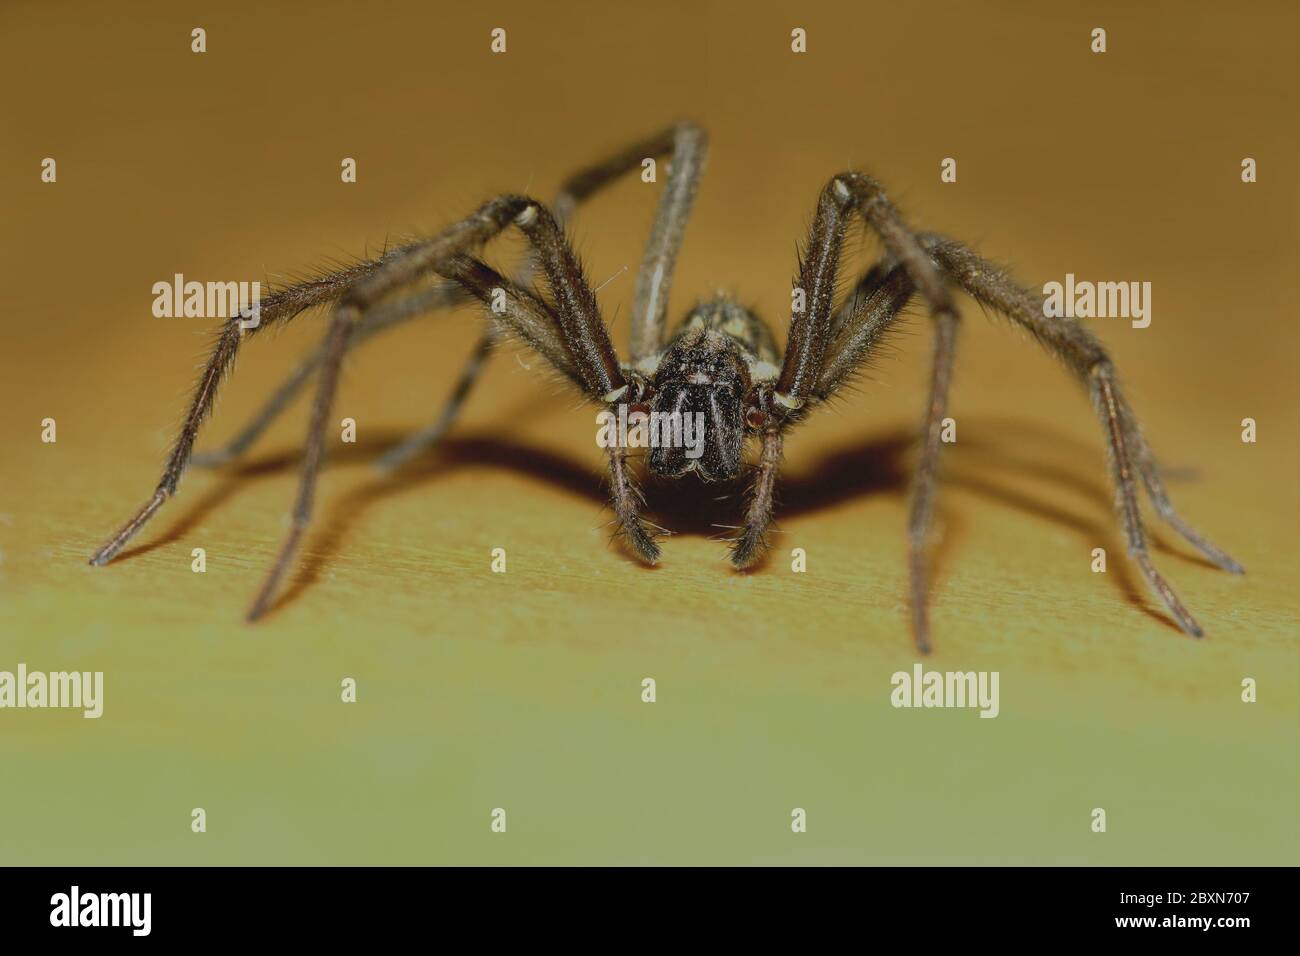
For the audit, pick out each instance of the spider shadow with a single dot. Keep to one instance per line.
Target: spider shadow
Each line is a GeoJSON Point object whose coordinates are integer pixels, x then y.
{"type": "Point", "coordinates": [877, 465]}
{"type": "Point", "coordinates": [687, 507]}
{"type": "Point", "coordinates": [882, 466]}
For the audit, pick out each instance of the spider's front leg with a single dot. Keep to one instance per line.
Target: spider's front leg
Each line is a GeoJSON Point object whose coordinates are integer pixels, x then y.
{"type": "Point", "coordinates": [528, 320]}
{"type": "Point", "coordinates": [686, 145]}
{"type": "Point", "coordinates": [590, 353]}
{"type": "Point", "coordinates": [751, 544]}
{"type": "Point", "coordinates": [626, 500]}
{"type": "Point", "coordinates": [811, 335]}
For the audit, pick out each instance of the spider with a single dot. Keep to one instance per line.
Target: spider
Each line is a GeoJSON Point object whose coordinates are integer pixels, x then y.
{"type": "Point", "coordinates": [721, 361]}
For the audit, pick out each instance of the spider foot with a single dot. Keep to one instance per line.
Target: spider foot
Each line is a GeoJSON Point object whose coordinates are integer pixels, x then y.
{"type": "Point", "coordinates": [128, 531]}
{"type": "Point", "coordinates": [919, 580]}
{"type": "Point", "coordinates": [749, 548]}
{"type": "Point", "coordinates": [1170, 599]}
{"type": "Point", "coordinates": [1213, 552]}
{"type": "Point", "coordinates": [640, 539]}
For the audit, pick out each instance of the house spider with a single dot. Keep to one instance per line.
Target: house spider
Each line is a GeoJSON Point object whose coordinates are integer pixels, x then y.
{"type": "Point", "coordinates": [721, 361]}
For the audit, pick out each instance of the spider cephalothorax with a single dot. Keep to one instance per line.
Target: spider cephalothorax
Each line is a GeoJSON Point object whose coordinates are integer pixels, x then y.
{"type": "Point", "coordinates": [720, 367]}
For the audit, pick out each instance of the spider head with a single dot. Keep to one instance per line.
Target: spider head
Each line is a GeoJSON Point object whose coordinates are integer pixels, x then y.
{"type": "Point", "coordinates": [698, 401]}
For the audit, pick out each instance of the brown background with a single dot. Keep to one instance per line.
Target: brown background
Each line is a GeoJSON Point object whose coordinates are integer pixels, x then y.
{"type": "Point", "coordinates": [482, 690]}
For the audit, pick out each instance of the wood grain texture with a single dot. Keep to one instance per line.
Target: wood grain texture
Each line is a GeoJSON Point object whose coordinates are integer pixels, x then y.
{"type": "Point", "coordinates": [522, 690]}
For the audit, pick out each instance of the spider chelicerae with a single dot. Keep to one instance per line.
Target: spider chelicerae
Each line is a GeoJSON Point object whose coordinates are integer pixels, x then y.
{"type": "Point", "coordinates": [720, 362]}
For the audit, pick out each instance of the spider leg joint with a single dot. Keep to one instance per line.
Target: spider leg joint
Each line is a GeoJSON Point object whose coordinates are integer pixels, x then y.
{"type": "Point", "coordinates": [790, 402]}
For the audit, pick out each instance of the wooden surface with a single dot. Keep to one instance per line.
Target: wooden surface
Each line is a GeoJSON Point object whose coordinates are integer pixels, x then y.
{"type": "Point", "coordinates": [522, 690]}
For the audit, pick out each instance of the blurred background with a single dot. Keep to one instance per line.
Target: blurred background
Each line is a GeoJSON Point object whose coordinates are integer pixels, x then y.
{"type": "Point", "coordinates": [522, 690]}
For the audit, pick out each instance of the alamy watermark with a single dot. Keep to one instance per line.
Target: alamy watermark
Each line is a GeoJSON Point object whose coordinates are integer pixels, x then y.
{"type": "Point", "coordinates": [921, 688]}
{"type": "Point", "coordinates": [1099, 300]}
{"type": "Point", "coordinates": [83, 690]}
{"type": "Point", "coordinates": [651, 429]}
{"type": "Point", "coordinates": [75, 908]}
{"type": "Point", "coordinates": [208, 300]}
